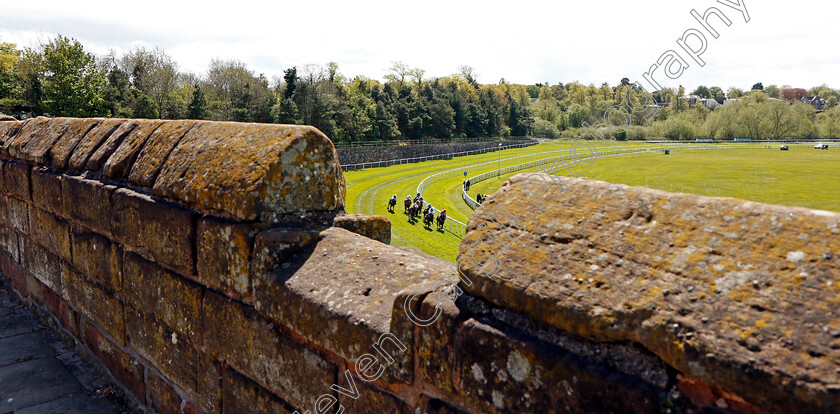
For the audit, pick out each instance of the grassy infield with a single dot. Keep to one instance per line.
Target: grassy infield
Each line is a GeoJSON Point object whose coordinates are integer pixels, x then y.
{"type": "Point", "coordinates": [799, 177]}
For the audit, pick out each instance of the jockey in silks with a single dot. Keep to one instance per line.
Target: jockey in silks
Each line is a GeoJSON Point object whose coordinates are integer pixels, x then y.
{"type": "Point", "coordinates": [443, 213]}
{"type": "Point", "coordinates": [427, 209]}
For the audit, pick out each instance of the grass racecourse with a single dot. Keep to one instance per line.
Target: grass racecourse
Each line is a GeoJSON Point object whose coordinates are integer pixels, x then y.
{"type": "Point", "coordinates": [799, 177]}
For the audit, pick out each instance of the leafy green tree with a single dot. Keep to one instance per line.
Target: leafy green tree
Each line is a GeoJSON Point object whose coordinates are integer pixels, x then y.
{"type": "Point", "coordinates": [9, 58]}
{"type": "Point", "coordinates": [198, 106]}
{"type": "Point", "coordinates": [773, 91]}
{"type": "Point", "coordinates": [72, 82]}
{"type": "Point", "coordinates": [702, 91]}
{"type": "Point", "coordinates": [758, 87]}
{"type": "Point", "coordinates": [734, 93]}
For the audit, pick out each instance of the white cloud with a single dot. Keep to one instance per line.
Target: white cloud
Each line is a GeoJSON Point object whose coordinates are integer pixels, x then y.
{"type": "Point", "coordinates": [525, 41]}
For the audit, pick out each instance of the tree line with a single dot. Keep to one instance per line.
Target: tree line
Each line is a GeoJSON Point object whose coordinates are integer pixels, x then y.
{"type": "Point", "coordinates": [61, 78]}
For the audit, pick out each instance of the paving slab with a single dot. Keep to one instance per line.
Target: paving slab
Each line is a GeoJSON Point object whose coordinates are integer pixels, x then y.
{"type": "Point", "coordinates": [25, 347]}
{"type": "Point", "coordinates": [15, 324]}
{"type": "Point", "coordinates": [38, 374]}
{"type": "Point", "coordinates": [76, 404]}
{"type": "Point", "coordinates": [34, 382]}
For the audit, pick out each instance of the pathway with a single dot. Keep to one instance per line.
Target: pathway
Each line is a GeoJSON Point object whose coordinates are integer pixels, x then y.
{"type": "Point", "coordinates": [38, 374]}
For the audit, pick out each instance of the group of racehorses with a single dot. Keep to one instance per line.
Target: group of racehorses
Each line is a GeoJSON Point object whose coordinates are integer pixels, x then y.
{"type": "Point", "coordinates": [414, 207]}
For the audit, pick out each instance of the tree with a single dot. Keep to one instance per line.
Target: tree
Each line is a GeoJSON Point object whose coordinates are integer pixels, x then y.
{"type": "Point", "coordinates": [198, 106]}
{"type": "Point", "coordinates": [236, 94]}
{"type": "Point", "coordinates": [758, 87]}
{"type": "Point", "coordinates": [399, 72]}
{"type": "Point", "coordinates": [734, 93]}
{"type": "Point", "coordinates": [793, 94]}
{"type": "Point", "coordinates": [717, 93]}
{"type": "Point", "coordinates": [702, 92]}
{"type": "Point", "coordinates": [72, 82]}
{"type": "Point", "coordinates": [773, 91]}
{"type": "Point", "coordinates": [155, 74]}
{"type": "Point", "coordinates": [290, 77]}
{"type": "Point", "coordinates": [9, 58]}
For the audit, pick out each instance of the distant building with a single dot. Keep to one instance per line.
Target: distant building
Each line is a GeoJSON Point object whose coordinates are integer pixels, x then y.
{"type": "Point", "coordinates": [692, 100]}
{"type": "Point", "coordinates": [815, 101]}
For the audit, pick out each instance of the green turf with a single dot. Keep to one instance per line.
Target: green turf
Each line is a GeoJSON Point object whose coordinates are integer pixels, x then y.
{"type": "Point", "coordinates": [799, 177]}
{"type": "Point", "coordinates": [369, 190]}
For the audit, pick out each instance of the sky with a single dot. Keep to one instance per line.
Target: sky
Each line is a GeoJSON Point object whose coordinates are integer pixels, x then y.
{"type": "Point", "coordinates": [522, 41]}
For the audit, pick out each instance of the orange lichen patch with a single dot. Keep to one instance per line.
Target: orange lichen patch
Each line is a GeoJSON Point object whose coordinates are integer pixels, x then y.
{"type": "Point", "coordinates": [254, 171]}
{"type": "Point", "coordinates": [135, 136]}
{"type": "Point", "coordinates": [120, 162]}
{"type": "Point", "coordinates": [60, 152]}
{"type": "Point", "coordinates": [29, 130]}
{"type": "Point", "coordinates": [698, 276]}
{"type": "Point", "coordinates": [77, 156]}
{"type": "Point", "coordinates": [156, 150]}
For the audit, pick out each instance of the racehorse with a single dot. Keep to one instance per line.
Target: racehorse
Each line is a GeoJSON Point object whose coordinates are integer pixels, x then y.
{"type": "Point", "coordinates": [392, 203]}
{"type": "Point", "coordinates": [407, 203]}
{"type": "Point", "coordinates": [428, 219]}
{"type": "Point", "coordinates": [440, 220]}
{"type": "Point", "coordinates": [412, 211]}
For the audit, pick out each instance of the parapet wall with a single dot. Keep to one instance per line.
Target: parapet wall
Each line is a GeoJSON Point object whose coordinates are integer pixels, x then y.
{"type": "Point", "coordinates": [209, 267]}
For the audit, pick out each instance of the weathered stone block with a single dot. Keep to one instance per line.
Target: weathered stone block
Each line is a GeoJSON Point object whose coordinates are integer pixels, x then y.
{"type": "Point", "coordinates": [439, 322]}
{"type": "Point", "coordinates": [17, 275]}
{"type": "Point", "coordinates": [37, 148]}
{"type": "Point", "coordinates": [119, 163]}
{"type": "Point", "coordinates": [171, 299]}
{"type": "Point", "coordinates": [16, 180]}
{"type": "Point", "coordinates": [87, 202]}
{"type": "Point", "coordinates": [716, 288]}
{"type": "Point", "coordinates": [50, 231]}
{"type": "Point", "coordinates": [163, 398]}
{"type": "Point", "coordinates": [78, 155]}
{"type": "Point", "coordinates": [345, 309]}
{"type": "Point", "coordinates": [8, 130]}
{"type": "Point", "coordinates": [43, 295]}
{"type": "Point", "coordinates": [152, 154]}
{"type": "Point", "coordinates": [60, 152]}
{"type": "Point", "coordinates": [125, 368]}
{"type": "Point", "coordinates": [101, 308]}
{"type": "Point", "coordinates": [503, 371]}
{"type": "Point", "coordinates": [17, 214]}
{"type": "Point", "coordinates": [162, 230]}
{"type": "Point", "coordinates": [241, 395]}
{"type": "Point", "coordinates": [274, 247]}
{"type": "Point", "coordinates": [46, 190]}
{"type": "Point", "coordinates": [224, 255]}
{"type": "Point", "coordinates": [254, 171]}
{"type": "Point", "coordinates": [29, 131]}
{"type": "Point", "coordinates": [98, 258]}
{"type": "Point", "coordinates": [132, 128]}
{"type": "Point", "coordinates": [237, 334]}
{"type": "Point", "coordinates": [42, 264]}
{"type": "Point", "coordinates": [172, 355]}
{"type": "Point", "coordinates": [9, 242]}
{"type": "Point", "coordinates": [369, 400]}
{"type": "Point", "coordinates": [69, 319]}
{"type": "Point", "coordinates": [371, 226]}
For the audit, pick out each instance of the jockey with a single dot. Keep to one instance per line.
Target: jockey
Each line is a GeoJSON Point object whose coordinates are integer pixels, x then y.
{"type": "Point", "coordinates": [443, 213]}
{"type": "Point", "coordinates": [428, 208]}
{"type": "Point", "coordinates": [408, 197]}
